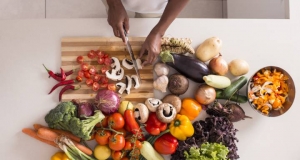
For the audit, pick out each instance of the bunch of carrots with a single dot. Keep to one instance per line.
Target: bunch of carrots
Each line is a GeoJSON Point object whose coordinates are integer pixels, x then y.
{"type": "Point", "coordinates": [52, 137]}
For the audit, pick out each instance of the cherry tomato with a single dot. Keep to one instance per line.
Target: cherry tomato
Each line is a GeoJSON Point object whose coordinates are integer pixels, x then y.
{"type": "Point", "coordinates": [100, 54]}
{"type": "Point", "coordinates": [79, 79]}
{"type": "Point", "coordinates": [116, 155]}
{"type": "Point", "coordinates": [138, 144]}
{"type": "Point", "coordinates": [101, 60]}
{"type": "Point", "coordinates": [92, 54]}
{"type": "Point", "coordinates": [111, 87]}
{"type": "Point", "coordinates": [128, 145]}
{"type": "Point", "coordinates": [103, 85]}
{"type": "Point", "coordinates": [124, 158]}
{"type": "Point", "coordinates": [84, 67]}
{"type": "Point", "coordinates": [96, 86]}
{"type": "Point", "coordinates": [97, 77]}
{"type": "Point", "coordinates": [80, 74]}
{"type": "Point", "coordinates": [116, 121]}
{"type": "Point", "coordinates": [92, 70]}
{"type": "Point", "coordinates": [116, 142]}
{"type": "Point", "coordinates": [107, 61]}
{"type": "Point", "coordinates": [87, 75]}
{"type": "Point", "coordinates": [105, 55]}
{"type": "Point", "coordinates": [104, 69]}
{"type": "Point", "coordinates": [123, 131]}
{"type": "Point", "coordinates": [102, 137]}
{"type": "Point", "coordinates": [89, 82]}
{"type": "Point", "coordinates": [103, 123]}
{"type": "Point", "coordinates": [79, 59]}
{"type": "Point", "coordinates": [104, 80]}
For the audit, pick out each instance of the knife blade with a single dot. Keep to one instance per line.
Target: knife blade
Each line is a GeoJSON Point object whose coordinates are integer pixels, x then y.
{"type": "Point", "coordinates": [129, 49]}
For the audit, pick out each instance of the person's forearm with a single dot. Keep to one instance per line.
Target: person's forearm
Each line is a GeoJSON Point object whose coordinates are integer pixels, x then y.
{"type": "Point", "coordinates": [172, 10]}
{"type": "Point", "coordinates": [112, 3]}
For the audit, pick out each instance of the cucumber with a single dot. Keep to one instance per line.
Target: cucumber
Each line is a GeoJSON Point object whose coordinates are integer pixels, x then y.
{"type": "Point", "coordinates": [217, 81]}
{"type": "Point", "coordinates": [236, 97]}
{"type": "Point", "coordinates": [235, 86]}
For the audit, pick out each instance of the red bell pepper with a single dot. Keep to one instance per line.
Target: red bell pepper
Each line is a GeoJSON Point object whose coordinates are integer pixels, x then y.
{"type": "Point", "coordinates": [154, 126]}
{"type": "Point", "coordinates": [166, 144]}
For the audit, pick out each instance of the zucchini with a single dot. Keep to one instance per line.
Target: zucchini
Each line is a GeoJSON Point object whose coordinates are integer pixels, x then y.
{"type": "Point", "coordinates": [217, 81]}
{"type": "Point", "coordinates": [148, 152]}
{"type": "Point", "coordinates": [235, 86]}
{"type": "Point", "coordinates": [236, 97]}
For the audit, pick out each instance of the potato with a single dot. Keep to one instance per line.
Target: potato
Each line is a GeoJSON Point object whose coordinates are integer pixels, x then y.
{"type": "Point", "coordinates": [238, 67]}
{"type": "Point", "coordinates": [209, 49]}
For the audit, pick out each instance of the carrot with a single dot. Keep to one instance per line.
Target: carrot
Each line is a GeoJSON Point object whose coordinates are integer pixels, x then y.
{"type": "Point", "coordinates": [33, 134]}
{"type": "Point", "coordinates": [58, 131]}
{"type": "Point", "coordinates": [83, 148]}
{"type": "Point", "coordinates": [47, 134]}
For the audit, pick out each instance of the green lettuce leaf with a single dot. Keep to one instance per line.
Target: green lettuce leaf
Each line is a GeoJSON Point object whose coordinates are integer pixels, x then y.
{"type": "Point", "coordinates": [207, 151]}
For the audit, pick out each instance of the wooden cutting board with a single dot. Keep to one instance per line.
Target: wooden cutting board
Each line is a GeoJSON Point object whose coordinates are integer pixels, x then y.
{"type": "Point", "coordinates": [71, 47]}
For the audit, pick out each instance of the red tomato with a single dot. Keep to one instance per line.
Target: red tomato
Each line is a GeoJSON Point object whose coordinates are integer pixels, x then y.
{"type": "Point", "coordinates": [116, 155]}
{"type": "Point", "coordinates": [97, 77]}
{"type": "Point", "coordinates": [80, 59]}
{"type": "Point", "coordinates": [123, 131]}
{"type": "Point", "coordinates": [128, 145]}
{"type": "Point", "coordinates": [116, 121]}
{"type": "Point", "coordinates": [102, 137]}
{"type": "Point", "coordinates": [104, 69]}
{"type": "Point", "coordinates": [116, 142]}
{"type": "Point", "coordinates": [84, 67]}
{"type": "Point", "coordinates": [79, 79]}
{"type": "Point", "coordinates": [89, 82]}
{"type": "Point", "coordinates": [87, 75]}
{"type": "Point", "coordinates": [103, 123]}
{"type": "Point", "coordinates": [138, 144]}
{"type": "Point", "coordinates": [92, 70]}
{"type": "Point", "coordinates": [100, 61]}
{"type": "Point", "coordinates": [104, 80]}
{"type": "Point", "coordinates": [111, 87]}
{"type": "Point", "coordinates": [100, 54]}
{"type": "Point", "coordinates": [103, 85]}
{"type": "Point", "coordinates": [80, 74]}
{"type": "Point", "coordinates": [105, 55]}
{"type": "Point", "coordinates": [107, 61]}
{"type": "Point", "coordinates": [92, 54]}
{"type": "Point", "coordinates": [96, 86]}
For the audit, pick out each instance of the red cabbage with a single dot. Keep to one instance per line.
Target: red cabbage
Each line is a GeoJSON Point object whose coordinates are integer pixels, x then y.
{"type": "Point", "coordinates": [107, 101]}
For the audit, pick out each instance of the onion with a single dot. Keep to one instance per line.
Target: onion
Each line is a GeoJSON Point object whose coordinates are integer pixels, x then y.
{"type": "Point", "coordinates": [107, 101]}
{"type": "Point", "coordinates": [85, 109]}
{"type": "Point", "coordinates": [205, 94]}
{"type": "Point", "coordinates": [218, 65]}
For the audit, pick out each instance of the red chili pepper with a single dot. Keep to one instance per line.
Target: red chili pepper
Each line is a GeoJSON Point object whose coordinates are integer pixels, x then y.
{"type": "Point", "coordinates": [51, 74]}
{"type": "Point", "coordinates": [154, 126]}
{"type": "Point", "coordinates": [132, 124]}
{"type": "Point", "coordinates": [67, 87]}
{"type": "Point", "coordinates": [67, 73]}
{"type": "Point", "coordinates": [61, 84]}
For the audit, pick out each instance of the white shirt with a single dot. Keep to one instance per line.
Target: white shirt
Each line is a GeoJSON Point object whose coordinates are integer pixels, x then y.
{"type": "Point", "coordinates": [145, 6]}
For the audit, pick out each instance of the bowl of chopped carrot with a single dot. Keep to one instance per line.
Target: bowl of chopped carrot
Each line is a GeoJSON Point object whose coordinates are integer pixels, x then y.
{"type": "Point", "coordinates": [271, 91]}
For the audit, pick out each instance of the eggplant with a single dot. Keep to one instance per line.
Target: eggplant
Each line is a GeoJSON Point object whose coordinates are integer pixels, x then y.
{"type": "Point", "coordinates": [190, 67]}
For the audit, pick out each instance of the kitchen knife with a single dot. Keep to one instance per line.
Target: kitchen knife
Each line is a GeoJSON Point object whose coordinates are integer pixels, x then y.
{"type": "Point", "coordinates": [129, 49]}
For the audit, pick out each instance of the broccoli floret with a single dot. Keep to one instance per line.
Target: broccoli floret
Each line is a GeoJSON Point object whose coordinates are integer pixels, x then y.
{"type": "Point", "coordinates": [63, 117]}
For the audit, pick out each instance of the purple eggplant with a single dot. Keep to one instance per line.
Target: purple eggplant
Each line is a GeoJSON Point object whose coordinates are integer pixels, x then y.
{"type": "Point", "coordinates": [190, 67]}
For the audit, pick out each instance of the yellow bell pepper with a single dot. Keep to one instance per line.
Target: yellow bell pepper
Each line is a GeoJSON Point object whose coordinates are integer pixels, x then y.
{"type": "Point", "coordinates": [181, 127]}
{"type": "Point", "coordinates": [60, 156]}
{"type": "Point", "coordinates": [191, 108]}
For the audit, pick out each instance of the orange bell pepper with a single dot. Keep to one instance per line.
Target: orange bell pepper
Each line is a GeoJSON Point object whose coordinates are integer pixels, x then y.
{"type": "Point", "coordinates": [190, 108]}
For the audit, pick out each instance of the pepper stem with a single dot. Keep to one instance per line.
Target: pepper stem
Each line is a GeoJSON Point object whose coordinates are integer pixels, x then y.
{"type": "Point", "coordinates": [46, 68]}
{"type": "Point", "coordinates": [177, 123]}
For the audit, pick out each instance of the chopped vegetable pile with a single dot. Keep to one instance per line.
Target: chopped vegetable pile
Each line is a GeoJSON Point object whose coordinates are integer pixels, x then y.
{"type": "Point", "coordinates": [268, 90]}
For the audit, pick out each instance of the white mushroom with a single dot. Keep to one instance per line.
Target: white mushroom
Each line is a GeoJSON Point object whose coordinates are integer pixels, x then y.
{"type": "Point", "coordinates": [135, 81]}
{"type": "Point", "coordinates": [122, 87]}
{"type": "Point", "coordinates": [166, 112]}
{"type": "Point", "coordinates": [115, 64]}
{"type": "Point", "coordinates": [120, 74]}
{"type": "Point", "coordinates": [141, 112]}
{"type": "Point", "coordinates": [115, 74]}
{"type": "Point", "coordinates": [152, 103]}
{"type": "Point", "coordinates": [128, 81]}
{"type": "Point", "coordinates": [161, 83]}
{"type": "Point", "coordinates": [139, 63]}
{"type": "Point", "coordinates": [127, 63]}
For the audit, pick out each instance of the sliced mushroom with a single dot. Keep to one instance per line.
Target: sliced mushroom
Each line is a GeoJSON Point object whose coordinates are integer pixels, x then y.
{"type": "Point", "coordinates": [115, 63]}
{"type": "Point", "coordinates": [139, 63]}
{"type": "Point", "coordinates": [127, 63]}
{"type": "Point", "coordinates": [128, 81]}
{"type": "Point", "coordinates": [135, 81]}
{"type": "Point", "coordinates": [166, 112]}
{"type": "Point", "coordinates": [152, 104]}
{"type": "Point", "coordinates": [141, 112]}
{"type": "Point", "coordinates": [174, 100]}
{"type": "Point", "coordinates": [115, 74]}
{"type": "Point", "coordinates": [122, 87]}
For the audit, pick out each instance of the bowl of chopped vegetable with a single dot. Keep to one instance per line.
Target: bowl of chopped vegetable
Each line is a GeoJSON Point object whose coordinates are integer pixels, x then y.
{"type": "Point", "coordinates": [271, 91]}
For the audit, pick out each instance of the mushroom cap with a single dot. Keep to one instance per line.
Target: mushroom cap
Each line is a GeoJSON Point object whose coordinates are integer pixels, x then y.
{"type": "Point", "coordinates": [141, 112]}
{"type": "Point", "coordinates": [152, 103]}
{"type": "Point", "coordinates": [166, 112]}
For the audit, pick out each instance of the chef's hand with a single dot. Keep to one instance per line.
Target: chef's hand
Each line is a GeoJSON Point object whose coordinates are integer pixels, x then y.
{"type": "Point", "coordinates": [152, 47]}
{"type": "Point", "coordinates": [118, 18]}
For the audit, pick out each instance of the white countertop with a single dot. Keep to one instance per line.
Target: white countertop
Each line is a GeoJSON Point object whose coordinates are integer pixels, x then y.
{"type": "Point", "coordinates": [26, 44]}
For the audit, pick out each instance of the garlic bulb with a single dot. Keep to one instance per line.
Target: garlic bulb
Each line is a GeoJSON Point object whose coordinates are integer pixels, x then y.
{"type": "Point", "coordinates": [161, 69]}
{"type": "Point", "coordinates": [161, 83]}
